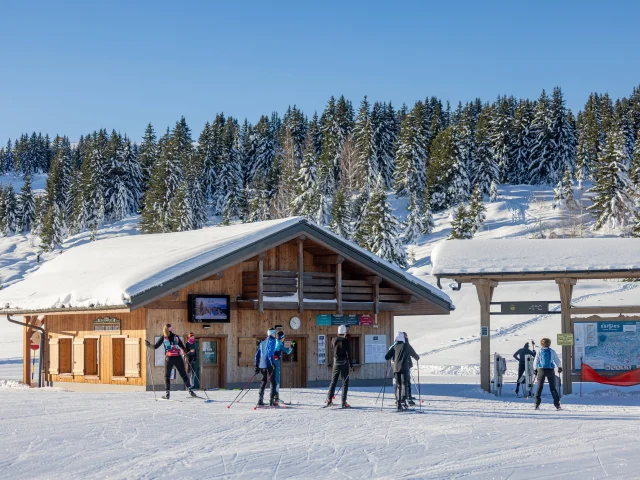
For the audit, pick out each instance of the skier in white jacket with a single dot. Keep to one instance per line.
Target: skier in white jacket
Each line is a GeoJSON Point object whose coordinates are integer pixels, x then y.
{"type": "Point", "coordinates": [545, 362]}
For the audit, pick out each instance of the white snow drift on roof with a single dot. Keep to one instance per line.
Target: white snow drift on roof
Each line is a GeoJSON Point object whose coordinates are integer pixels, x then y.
{"type": "Point", "coordinates": [110, 272]}
{"type": "Point", "coordinates": [451, 257]}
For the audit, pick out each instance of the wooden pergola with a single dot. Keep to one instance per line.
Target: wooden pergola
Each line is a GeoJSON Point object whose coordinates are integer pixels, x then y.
{"type": "Point", "coordinates": [482, 269]}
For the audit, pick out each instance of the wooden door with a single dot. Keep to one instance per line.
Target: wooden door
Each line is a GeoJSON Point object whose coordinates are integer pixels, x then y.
{"type": "Point", "coordinates": [209, 357]}
{"type": "Point", "coordinates": [293, 369]}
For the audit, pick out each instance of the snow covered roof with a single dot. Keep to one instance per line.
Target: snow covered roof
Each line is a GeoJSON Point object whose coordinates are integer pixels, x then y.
{"type": "Point", "coordinates": [129, 271]}
{"type": "Point", "coordinates": [457, 258]}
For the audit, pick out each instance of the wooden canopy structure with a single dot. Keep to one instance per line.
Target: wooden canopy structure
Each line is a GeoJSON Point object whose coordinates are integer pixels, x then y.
{"type": "Point", "coordinates": [487, 263]}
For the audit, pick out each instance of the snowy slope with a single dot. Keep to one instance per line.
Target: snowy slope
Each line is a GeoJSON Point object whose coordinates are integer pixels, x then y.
{"type": "Point", "coordinates": [463, 433]}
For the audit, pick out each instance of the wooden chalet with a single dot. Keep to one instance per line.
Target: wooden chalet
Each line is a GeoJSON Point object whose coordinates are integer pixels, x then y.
{"type": "Point", "coordinates": [289, 272]}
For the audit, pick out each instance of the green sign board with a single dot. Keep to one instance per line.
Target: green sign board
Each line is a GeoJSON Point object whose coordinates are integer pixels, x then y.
{"type": "Point", "coordinates": [523, 308]}
{"type": "Point", "coordinates": [327, 320]}
{"type": "Point", "coordinates": [565, 339]}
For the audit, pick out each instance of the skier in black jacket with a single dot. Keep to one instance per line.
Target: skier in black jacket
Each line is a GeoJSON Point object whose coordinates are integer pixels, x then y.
{"type": "Point", "coordinates": [172, 345]}
{"type": "Point", "coordinates": [520, 355]}
{"type": "Point", "coordinates": [342, 365]}
{"type": "Point", "coordinates": [410, 398]}
{"type": "Point", "coordinates": [192, 357]}
{"type": "Point", "coordinates": [401, 353]}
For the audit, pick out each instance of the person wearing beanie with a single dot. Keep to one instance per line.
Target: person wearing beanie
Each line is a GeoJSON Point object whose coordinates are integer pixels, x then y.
{"type": "Point", "coordinates": [277, 360]}
{"type": "Point", "coordinates": [264, 364]}
{"type": "Point", "coordinates": [410, 399]}
{"type": "Point", "coordinates": [400, 353]}
{"type": "Point", "coordinates": [521, 355]}
{"type": "Point", "coordinates": [545, 362]}
{"type": "Point", "coordinates": [172, 359]}
{"type": "Point", "coordinates": [192, 357]}
{"type": "Point", "coordinates": [342, 365]}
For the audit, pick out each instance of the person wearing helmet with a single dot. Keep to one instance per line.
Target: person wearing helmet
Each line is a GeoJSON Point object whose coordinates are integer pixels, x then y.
{"type": "Point", "coordinates": [172, 358]}
{"type": "Point", "coordinates": [277, 359]}
{"type": "Point", "coordinates": [264, 364]}
{"type": "Point", "coordinates": [401, 353]}
{"type": "Point", "coordinates": [521, 355]}
{"type": "Point", "coordinates": [342, 365]}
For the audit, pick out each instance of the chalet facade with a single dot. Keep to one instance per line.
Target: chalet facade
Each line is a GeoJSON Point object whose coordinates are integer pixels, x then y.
{"type": "Point", "coordinates": [288, 273]}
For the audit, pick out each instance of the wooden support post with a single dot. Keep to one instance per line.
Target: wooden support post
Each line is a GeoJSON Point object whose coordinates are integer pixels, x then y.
{"type": "Point", "coordinates": [261, 282]}
{"type": "Point", "coordinates": [339, 284]}
{"type": "Point", "coordinates": [26, 360]}
{"type": "Point", "coordinates": [301, 273]}
{"type": "Point", "coordinates": [566, 293]}
{"type": "Point", "coordinates": [376, 294]}
{"type": "Point", "coordinates": [485, 289]}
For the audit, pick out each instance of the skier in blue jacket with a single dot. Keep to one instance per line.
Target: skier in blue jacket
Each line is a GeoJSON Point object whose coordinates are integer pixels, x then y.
{"type": "Point", "coordinates": [277, 358]}
{"type": "Point", "coordinates": [264, 364]}
{"type": "Point", "coordinates": [545, 362]}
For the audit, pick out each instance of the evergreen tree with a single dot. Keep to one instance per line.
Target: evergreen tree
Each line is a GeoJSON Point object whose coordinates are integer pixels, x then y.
{"type": "Point", "coordinates": [52, 233]}
{"type": "Point", "coordinates": [26, 207]}
{"type": "Point", "coordinates": [614, 194]}
{"type": "Point", "coordinates": [363, 137]}
{"type": "Point", "coordinates": [10, 211]}
{"type": "Point", "coordinates": [381, 230]}
{"type": "Point", "coordinates": [427, 216]}
{"type": "Point", "coordinates": [461, 226]}
{"type": "Point", "coordinates": [493, 192]}
{"type": "Point", "coordinates": [477, 210]}
{"type": "Point", "coordinates": [563, 193]}
{"type": "Point", "coordinates": [230, 182]}
{"type": "Point", "coordinates": [411, 154]}
{"type": "Point", "coordinates": [542, 166]}
{"type": "Point", "coordinates": [413, 226]}
{"type": "Point", "coordinates": [180, 214]}
{"type": "Point", "coordinates": [148, 156]}
{"type": "Point", "coordinates": [340, 215]}
{"type": "Point", "coordinates": [485, 169]}
{"type": "Point", "coordinates": [500, 136]}
{"type": "Point", "coordinates": [306, 201]}
{"type": "Point", "coordinates": [563, 143]}
{"type": "Point", "coordinates": [522, 139]}
{"type": "Point", "coordinates": [634, 169]}
{"type": "Point", "coordinates": [448, 182]}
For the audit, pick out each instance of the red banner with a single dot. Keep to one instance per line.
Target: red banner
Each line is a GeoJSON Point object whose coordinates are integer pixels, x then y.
{"type": "Point", "coordinates": [626, 379]}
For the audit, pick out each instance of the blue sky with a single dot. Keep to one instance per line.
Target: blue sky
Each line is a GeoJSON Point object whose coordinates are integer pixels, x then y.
{"type": "Point", "coordinates": [73, 67]}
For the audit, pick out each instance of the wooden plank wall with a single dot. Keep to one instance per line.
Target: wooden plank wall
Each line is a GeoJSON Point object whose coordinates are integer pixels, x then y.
{"type": "Point", "coordinates": [79, 326]}
{"type": "Point", "coordinates": [250, 323]}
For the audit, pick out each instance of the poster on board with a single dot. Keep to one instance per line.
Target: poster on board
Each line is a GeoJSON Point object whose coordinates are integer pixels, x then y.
{"type": "Point", "coordinates": [375, 348]}
{"type": "Point", "coordinates": [607, 346]}
{"type": "Point", "coordinates": [322, 349]}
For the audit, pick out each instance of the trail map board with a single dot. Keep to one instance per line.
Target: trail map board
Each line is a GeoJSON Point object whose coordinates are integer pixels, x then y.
{"type": "Point", "coordinates": [607, 346]}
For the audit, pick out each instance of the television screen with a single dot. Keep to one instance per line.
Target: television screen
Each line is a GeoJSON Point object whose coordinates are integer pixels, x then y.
{"type": "Point", "coordinates": [209, 309]}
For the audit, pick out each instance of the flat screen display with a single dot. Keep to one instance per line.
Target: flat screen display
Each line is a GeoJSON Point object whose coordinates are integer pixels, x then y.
{"type": "Point", "coordinates": [209, 309]}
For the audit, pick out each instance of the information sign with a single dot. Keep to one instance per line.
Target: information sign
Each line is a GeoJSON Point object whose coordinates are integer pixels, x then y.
{"type": "Point", "coordinates": [375, 348]}
{"type": "Point", "coordinates": [524, 308]}
{"type": "Point", "coordinates": [322, 349]}
{"type": "Point", "coordinates": [565, 339]}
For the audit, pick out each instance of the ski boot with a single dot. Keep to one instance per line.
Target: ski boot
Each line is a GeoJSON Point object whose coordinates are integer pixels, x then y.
{"type": "Point", "coordinates": [558, 407]}
{"type": "Point", "coordinates": [328, 403]}
{"type": "Point", "coordinates": [537, 407]}
{"type": "Point", "coordinates": [192, 393]}
{"type": "Point", "coordinates": [411, 402]}
{"type": "Point", "coordinates": [345, 405]}
{"type": "Point", "coordinates": [273, 402]}
{"type": "Point", "coordinates": [166, 395]}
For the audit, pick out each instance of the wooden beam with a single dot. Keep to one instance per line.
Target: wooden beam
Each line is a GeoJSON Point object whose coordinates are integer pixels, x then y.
{"type": "Point", "coordinates": [485, 289]}
{"type": "Point", "coordinates": [26, 360]}
{"type": "Point", "coordinates": [598, 318]}
{"type": "Point", "coordinates": [566, 292]}
{"type": "Point", "coordinates": [604, 310]}
{"type": "Point", "coordinates": [376, 297]}
{"type": "Point", "coordinates": [260, 284]}
{"type": "Point", "coordinates": [339, 286]}
{"type": "Point", "coordinates": [528, 277]}
{"type": "Point", "coordinates": [328, 260]}
{"type": "Point", "coordinates": [301, 273]}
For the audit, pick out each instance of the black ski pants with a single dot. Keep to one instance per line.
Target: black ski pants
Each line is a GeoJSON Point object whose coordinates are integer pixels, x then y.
{"type": "Point", "coordinates": [402, 384]}
{"type": "Point", "coordinates": [520, 373]}
{"type": "Point", "coordinates": [268, 376]}
{"type": "Point", "coordinates": [178, 363]}
{"type": "Point", "coordinates": [339, 369]}
{"type": "Point", "coordinates": [550, 375]}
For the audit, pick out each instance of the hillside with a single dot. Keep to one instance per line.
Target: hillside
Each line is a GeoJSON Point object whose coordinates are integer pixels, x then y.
{"type": "Point", "coordinates": [449, 344]}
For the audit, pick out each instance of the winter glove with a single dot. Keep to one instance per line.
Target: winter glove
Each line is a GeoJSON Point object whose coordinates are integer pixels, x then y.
{"type": "Point", "coordinates": [559, 369]}
{"type": "Point", "coordinates": [147, 343]}
{"type": "Point", "coordinates": [257, 370]}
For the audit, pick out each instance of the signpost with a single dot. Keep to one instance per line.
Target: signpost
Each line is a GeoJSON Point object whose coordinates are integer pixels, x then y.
{"type": "Point", "coordinates": [525, 308]}
{"type": "Point", "coordinates": [565, 339]}
{"type": "Point", "coordinates": [327, 320]}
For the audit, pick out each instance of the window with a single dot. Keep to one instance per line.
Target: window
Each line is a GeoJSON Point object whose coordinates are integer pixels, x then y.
{"type": "Point", "coordinates": [65, 356]}
{"type": "Point", "coordinates": [91, 356]}
{"type": "Point", "coordinates": [117, 356]}
{"type": "Point", "coordinates": [355, 348]}
{"type": "Point", "coordinates": [247, 347]}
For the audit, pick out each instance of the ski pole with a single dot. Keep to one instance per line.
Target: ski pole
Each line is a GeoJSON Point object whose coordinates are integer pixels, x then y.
{"type": "Point", "coordinates": [385, 382]}
{"type": "Point", "coordinates": [384, 388]}
{"type": "Point", "coordinates": [153, 385]}
{"type": "Point", "coordinates": [242, 390]}
{"type": "Point", "coordinates": [195, 375]}
{"type": "Point", "coordinates": [417, 387]}
{"type": "Point", "coordinates": [419, 396]}
{"type": "Point", "coordinates": [293, 344]}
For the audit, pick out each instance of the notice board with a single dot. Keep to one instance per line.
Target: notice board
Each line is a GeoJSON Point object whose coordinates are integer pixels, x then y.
{"type": "Point", "coordinates": [375, 348]}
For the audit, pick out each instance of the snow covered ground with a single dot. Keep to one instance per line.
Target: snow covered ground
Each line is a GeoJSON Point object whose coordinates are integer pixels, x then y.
{"type": "Point", "coordinates": [463, 432]}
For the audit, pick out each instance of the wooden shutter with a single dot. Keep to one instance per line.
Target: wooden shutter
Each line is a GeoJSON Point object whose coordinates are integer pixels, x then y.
{"type": "Point", "coordinates": [54, 356]}
{"type": "Point", "coordinates": [78, 356]}
{"type": "Point", "coordinates": [246, 351]}
{"type": "Point", "coordinates": [132, 357]}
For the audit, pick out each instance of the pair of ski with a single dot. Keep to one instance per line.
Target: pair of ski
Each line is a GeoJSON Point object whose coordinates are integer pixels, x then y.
{"type": "Point", "coordinates": [281, 405]}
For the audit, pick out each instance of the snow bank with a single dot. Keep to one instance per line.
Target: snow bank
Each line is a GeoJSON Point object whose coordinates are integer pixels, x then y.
{"type": "Point", "coordinates": [452, 257]}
